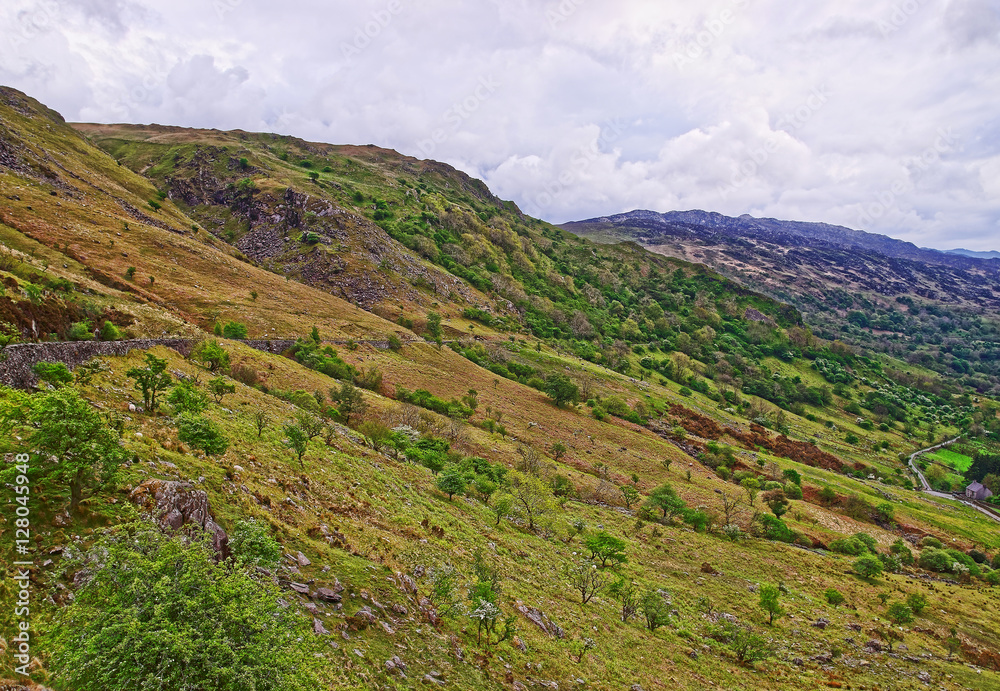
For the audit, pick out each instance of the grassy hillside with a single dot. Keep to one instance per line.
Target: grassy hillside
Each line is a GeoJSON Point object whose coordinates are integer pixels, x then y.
{"type": "Point", "coordinates": [682, 379]}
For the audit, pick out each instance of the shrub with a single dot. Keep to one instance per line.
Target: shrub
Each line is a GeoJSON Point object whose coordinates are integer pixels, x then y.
{"type": "Point", "coordinates": [978, 556]}
{"type": "Point", "coordinates": [868, 541]}
{"type": "Point", "coordinates": [655, 609]}
{"type": "Point", "coordinates": [187, 398]}
{"type": "Point", "coordinates": [395, 344]}
{"type": "Point", "coordinates": [931, 541]}
{"type": "Point", "coordinates": [234, 330]}
{"type": "Point", "coordinates": [848, 545]}
{"type": "Point", "coordinates": [451, 481]}
{"type": "Point", "coordinates": [606, 547]}
{"type": "Point", "coordinates": [202, 433]}
{"type": "Point", "coordinates": [884, 512]}
{"type": "Point", "coordinates": [774, 528]}
{"type": "Point", "coordinates": [793, 491]}
{"type": "Point", "coordinates": [110, 332]}
{"type": "Point", "coordinates": [857, 508]}
{"type": "Point", "coordinates": [934, 559]}
{"type": "Point", "coordinates": [899, 613]}
{"type": "Point", "coordinates": [833, 596]}
{"type": "Point", "coordinates": [211, 355]}
{"type": "Point", "coordinates": [231, 630]}
{"type": "Point", "coordinates": [902, 551]}
{"type": "Point", "coordinates": [245, 374]}
{"type": "Point", "coordinates": [80, 331]}
{"type": "Point", "coordinates": [55, 373]}
{"type": "Point", "coordinates": [868, 566]}
{"type": "Point", "coordinates": [827, 496]}
{"type": "Point", "coordinates": [252, 544]}
{"type": "Point", "coordinates": [916, 602]}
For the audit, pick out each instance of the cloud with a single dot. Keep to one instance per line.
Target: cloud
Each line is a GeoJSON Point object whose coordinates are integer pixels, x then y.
{"type": "Point", "coordinates": [573, 108]}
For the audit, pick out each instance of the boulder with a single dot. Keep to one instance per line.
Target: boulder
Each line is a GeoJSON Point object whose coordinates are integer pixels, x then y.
{"type": "Point", "coordinates": [176, 505]}
{"type": "Point", "coordinates": [538, 618]}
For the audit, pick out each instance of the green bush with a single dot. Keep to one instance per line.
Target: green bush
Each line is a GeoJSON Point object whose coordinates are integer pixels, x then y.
{"type": "Point", "coordinates": [793, 491]}
{"type": "Point", "coordinates": [201, 433]}
{"type": "Point", "coordinates": [833, 596]}
{"type": "Point", "coordinates": [848, 545]}
{"type": "Point", "coordinates": [916, 602]}
{"type": "Point", "coordinates": [185, 397]}
{"type": "Point", "coordinates": [234, 330]}
{"type": "Point", "coordinates": [110, 332]}
{"type": "Point", "coordinates": [252, 544]}
{"type": "Point", "coordinates": [80, 331]}
{"type": "Point", "coordinates": [150, 599]}
{"type": "Point", "coordinates": [868, 566]}
{"type": "Point", "coordinates": [934, 559]}
{"type": "Point", "coordinates": [55, 373]}
{"type": "Point", "coordinates": [931, 541]}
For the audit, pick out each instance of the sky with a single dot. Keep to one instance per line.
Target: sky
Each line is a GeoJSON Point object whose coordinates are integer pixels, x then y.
{"type": "Point", "coordinates": [880, 115]}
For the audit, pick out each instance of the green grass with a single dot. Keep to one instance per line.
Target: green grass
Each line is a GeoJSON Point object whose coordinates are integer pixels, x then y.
{"type": "Point", "coordinates": [959, 462]}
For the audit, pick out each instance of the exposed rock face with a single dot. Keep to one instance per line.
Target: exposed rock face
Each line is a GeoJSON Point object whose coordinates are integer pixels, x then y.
{"type": "Point", "coordinates": [175, 505]}
{"type": "Point", "coordinates": [538, 618]}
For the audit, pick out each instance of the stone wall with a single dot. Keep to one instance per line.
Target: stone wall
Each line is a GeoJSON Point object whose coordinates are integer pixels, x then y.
{"type": "Point", "coordinates": [15, 370]}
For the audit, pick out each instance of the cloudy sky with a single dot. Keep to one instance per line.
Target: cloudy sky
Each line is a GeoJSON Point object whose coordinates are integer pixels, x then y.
{"type": "Point", "coordinates": [882, 115]}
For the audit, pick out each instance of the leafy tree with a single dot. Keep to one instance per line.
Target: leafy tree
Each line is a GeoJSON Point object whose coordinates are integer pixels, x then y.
{"type": "Point", "coordinates": [630, 495]}
{"type": "Point", "coordinates": [777, 501]}
{"type": "Point", "coordinates": [627, 594]}
{"type": "Point", "coordinates": [868, 566]}
{"type": "Point", "coordinates": [899, 613]}
{"type": "Point", "coordinates": [833, 596]}
{"type": "Point", "coordinates": [9, 335]}
{"type": "Point", "coordinates": [885, 512]}
{"type": "Point", "coordinates": [748, 646]}
{"type": "Point", "coordinates": [501, 505]}
{"type": "Point", "coordinates": [349, 400]}
{"type": "Point", "coordinates": [310, 425]}
{"type": "Point", "coordinates": [220, 387]}
{"type": "Point", "coordinates": [751, 486]}
{"type": "Point", "coordinates": [558, 450]}
{"type": "Point", "coordinates": [186, 397]}
{"type": "Point", "coordinates": [159, 612]}
{"type": "Point", "coordinates": [606, 547]}
{"type": "Point", "coordinates": [532, 496]}
{"type": "Point", "coordinates": [55, 373]}
{"type": "Point", "coordinates": [769, 602]}
{"type": "Point", "coordinates": [561, 389]}
{"type": "Point", "coordinates": [202, 433]}
{"type": "Point", "coordinates": [211, 355]}
{"type": "Point", "coordinates": [296, 440]}
{"type": "Point", "coordinates": [151, 380]}
{"type": "Point", "coordinates": [585, 578]}
{"type": "Point", "coordinates": [80, 331]}
{"type": "Point", "coordinates": [234, 330]}
{"type": "Point", "coordinates": [916, 602]}
{"type": "Point", "coordinates": [395, 344]}
{"type": "Point", "coordinates": [664, 498]}
{"type": "Point", "coordinates": [66, 428]}
{"type": "Point", "coordinates": [451, 481]}
{"type": "Point", "coordinates": [655, 609]}
{"type": "Point", "coordinates": [792, 476]}
{"type": "Point", "coordinates": [827, 496]}
{"type": "Point", "coordinates": [434, 326]}
{"type": "Point", "coordinates": [110, 332]}
{"type": "Point", "coordinates": [261, 421]}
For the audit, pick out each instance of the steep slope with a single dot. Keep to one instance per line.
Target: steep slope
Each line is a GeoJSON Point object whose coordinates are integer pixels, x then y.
{"type": "Point", "coordinates": [460, 480]}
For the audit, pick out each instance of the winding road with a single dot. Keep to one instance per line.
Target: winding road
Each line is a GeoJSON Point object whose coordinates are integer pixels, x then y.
{"type": "Point", "coordinates": [926, 488]}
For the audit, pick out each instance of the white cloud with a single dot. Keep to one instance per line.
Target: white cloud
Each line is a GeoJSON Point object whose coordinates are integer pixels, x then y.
{"type": "Point", "coordinates": [574, 108]}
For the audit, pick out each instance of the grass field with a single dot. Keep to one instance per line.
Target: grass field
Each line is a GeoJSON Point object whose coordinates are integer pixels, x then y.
{"type": "Point", "coordinates": [958, 462]}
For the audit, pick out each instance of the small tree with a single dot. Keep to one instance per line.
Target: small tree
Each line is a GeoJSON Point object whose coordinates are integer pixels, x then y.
{"type": "Point", "coordinates": [561, 389]}
{"type": "Point", "coordinates": [834, 597]}
{"type": "Point", "coordinates": [627, 594]}
{"type": "Point", "coordinates": [451, 481]}
{"type": "Point", "coordinates": [664, 498]}
{"type": "Point", "coordinates": [916, 602]}
{"type": "Point", "coordinates": [751, 486]}
{"type": "Point", "coordinates": [953, 644]}
{"type": "Point", "coordinates": [211, 355]}
{"type": "Point", "coordinates": [261, 421]}
{"type": "Point", "coordinates": [748, 646]}
{"type": "Point", "coordinates": [533, 497]}
{"type": "Point", "coordinates": [310, 425]}
{"type": "Point", "coordinates": [234, 330]}
{"type": "Point", "coordinates": [220, 387]}
{"type": "Point", "coordinates": [655, 609]}
{"type": "Point", "coordinates": [202, 433]}
{"type": "Point", "coordinates": [558, 450]}
{"type": "Point", "coordinates": [606, 547]}
{"type": "Point", "coordinates": [769, 602]}
{"type": "Point", "coordinates": [151, 380]}
{"type": "Point", "coordinates": [827, 496]}
{"type": "Point", "coordinates": [350, 401]}
{"type": "Point", "coordinates": [296, 440]}
{"type": "Point", "coordinates": [585, 578]}
{"type": "Point", "coordinates": [899, 613]}
{"type": "Point", "coordinates": [434, 326]}
{"type": "Point", "coordinates": [630, 495]}
{"type": "Point", "coordinates": [187, 398]}
{"type": "Point", "coordinates": [777, 501]}
{"type": "Point", "coordinates": [868, 566]}
{"type": "Point", "coordinates": [501, 505]}
{"type": "Point", "coordinates": [252, 544]}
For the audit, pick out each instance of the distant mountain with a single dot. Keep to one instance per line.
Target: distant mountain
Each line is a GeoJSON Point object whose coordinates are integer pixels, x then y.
{"type": "Point", "coordinates": [868, 289]}
{"type": "Point", "coordinates": [992, 254]}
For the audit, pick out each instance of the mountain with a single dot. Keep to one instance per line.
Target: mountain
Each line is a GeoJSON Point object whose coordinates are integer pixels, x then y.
{"type": "Point", "coordinates": [992, 254]}
{"type": "Point", "coordinates": [489, 454]}
{"type": "Point", "coordinates": [866, 289]}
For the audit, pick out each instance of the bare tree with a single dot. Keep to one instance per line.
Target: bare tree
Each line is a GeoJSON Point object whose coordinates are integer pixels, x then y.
{"type": "Point", "coordinates": [731, 509]}
{"type": "Point", "coordinates": [585, 578]}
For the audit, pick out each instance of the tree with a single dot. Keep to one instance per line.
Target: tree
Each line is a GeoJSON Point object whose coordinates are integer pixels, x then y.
{"type": "Point", "coordinates": [627, 594]}
{"type": "Point", "coordinates": [792, 476]}
{"type": "Point", "coordinates": [201, 433]}
{"type": "Point", "coordinates": [606, 547]}
{"type": "Point", "coordinates": [211, 355]}
{"type": "Point", "coordinates": [751, 486]}
{"type": "Point", "coordinates": [160, 612]}
{"type": "Point", "coordinates": [187, 398]}
{"type": "Point", "coordinates": [777, 501]}
{"type": "Point", "coordinates": [349, 400]}
{"type": "Point", "coordinates": [434, 326]}
{"type": "Point", "coordinates": [252, 544]}
{"type": "Point", "coordinates": [451, 481]}
{"type": "Point", "coordinates": [630, 495]}
{"type": "Point", "coordinates": [769, 602]}
{"type": "Point", "coordinates": [532, 496]}
{"type": "Point", "coordinates": [54, 373]}
{"type": "Point", "coordinates": [310, 425]}
{"type": "Point", "coordinates": [584, 577]}
{"type": "Point", "coordinates": [655, 609]}
{"type": "Point", "coordinates": [899, 613]}
{"type": "Point", "coordinates": [9, 335]}
{"type": "Point", "coordinates": [833, 596]}
{"type": "Point", "coordinates": [151, 380]}
{"type": "Point", "coordinates": [296, 440]}
{"type": "Point", "coordinates": [827, 496]}
{"type": "Point", "coordinates": [558, 450]}
{"type": "Point", "coordinates": [110, 332]}
{"type": "Point", "coordinates": [69, 430]}
{"type": "Point", "coordinates": [748, 646]}
{"type": "Point", "coordinates": [561, 389]}
{"type": "Point", "coordinates": [501, 506]}
{"type": "Point", "coordinates": [868, 566]}
{"type": "Point", "coordinates": [916, 602]}
{"type": "Point", "coordinates": [664, 498]}
{"type": "Point", "coordinates": [220, 386]}
{"type": "Point", "coordinates": [234, 330]}
{"type": "Point", "coordinates": [261, 421]}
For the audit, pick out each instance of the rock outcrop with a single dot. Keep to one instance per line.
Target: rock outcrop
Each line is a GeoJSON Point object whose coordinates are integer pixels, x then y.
{"type": "Point", "coordinates": [176, 505]}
